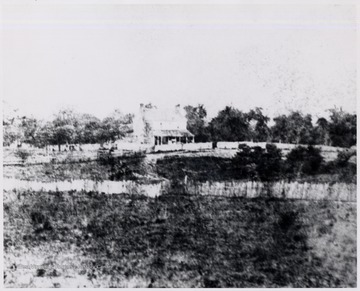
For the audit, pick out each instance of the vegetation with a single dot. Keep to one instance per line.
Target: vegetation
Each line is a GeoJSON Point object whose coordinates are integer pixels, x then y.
{"type": "Point", "coordinates": [124, 168]}
{"type": "Point", "coordinates": [293, 128]}
{"type": "Point", "coordinates": [303, 160]}
{"type": "Point", "coordinates": [230, 124]}
{"type": "Point", "coordinates": [258, 164]}
{"type": "Point", "coordinates": [196, 122]}
{"type": "Point", "coordinates": [23, 154]}
{"type": "Point", "coordinates": [250, 163]}
{"type": "Point", "coordinates": [67, 126]}
{"type": "Point", "coordinates": [181, 241]}
{"type": "Point", "coordinates": [342, 128]}
{"type": "Point", "coordinates": [178, 239]}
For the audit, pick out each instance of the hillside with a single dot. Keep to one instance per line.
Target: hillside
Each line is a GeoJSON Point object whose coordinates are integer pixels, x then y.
{"type": "Point", "coordinates": [176, 241]}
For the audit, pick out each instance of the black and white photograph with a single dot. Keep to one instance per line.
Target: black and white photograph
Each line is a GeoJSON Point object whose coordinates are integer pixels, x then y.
{"type": "Point", "coordinates": [179, 144]}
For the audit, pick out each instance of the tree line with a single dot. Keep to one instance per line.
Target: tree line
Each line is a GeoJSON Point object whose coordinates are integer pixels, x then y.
{"type": "Point", "coordinates": [230, 124]}
{"type": "Point", "coordinates": [67, 127]}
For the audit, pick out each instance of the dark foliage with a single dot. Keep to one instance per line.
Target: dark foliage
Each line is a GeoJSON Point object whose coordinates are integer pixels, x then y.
{"type": "Point", "coordinates": [293, 128]}
{"type": "Point", "coordinates": [196, 122]}
{"type": "Point", "coordinates": [230, 125]}
{"type": "Point", "coordinates": [302, 160]}
{"type": "Point", "coordinates": [342, 128]}
{"type": "Point", "coordinates": [123, 168]}
{"type": "Point", "coordinates": [341, 168]}
{"type": "Point", "coordinates": [197, 168]}
{"type": "Point", "coordinates": [258, 163]}
{"type": "Point", "coordinates": [223, 242]}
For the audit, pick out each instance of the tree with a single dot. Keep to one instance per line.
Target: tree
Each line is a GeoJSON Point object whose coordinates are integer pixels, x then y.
{"type": "Point", "coordinates": [115, 126]}
{"type": "Point", "coordinates": [88, 128]}
{"type": "Point", "coordinates": [294, 128]}
{"type": "Point", "coordinates": [260, 132]}
{"type": "Point", "coordinates": [230, 125]}
{"type": "Point", "coordinates": [10, 134]}
{"type": "Point", "coordinates": [196, 122]}
{"type": "Point", "coordinates": [321, 132]}
{"type": "Point", "coordinates": [63, 135]}
{"type": "Point", "coordinates": [279, 129]}
{"type": "Point", "coordinates": [29, 127]}
{"type": "Point", "coordinates": [44, 136]}
{"type": "Point", "coordinates": [64, 127]}
{"type": "Point", "coordinates": [342, 128]}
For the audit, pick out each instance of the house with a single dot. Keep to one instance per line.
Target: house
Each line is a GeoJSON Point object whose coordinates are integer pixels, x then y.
{"type": "Point", "coordinates": [161, 126]}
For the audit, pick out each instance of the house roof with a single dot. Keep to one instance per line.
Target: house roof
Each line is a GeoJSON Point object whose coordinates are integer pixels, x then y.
{"type": "Point", "coordinates": [177, 133]}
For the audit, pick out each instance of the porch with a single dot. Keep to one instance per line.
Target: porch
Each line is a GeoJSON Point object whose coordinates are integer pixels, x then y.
{"type": "Point", "coordinates": [162, 137]}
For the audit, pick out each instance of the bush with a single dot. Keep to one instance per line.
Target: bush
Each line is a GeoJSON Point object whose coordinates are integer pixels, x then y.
{"type": "Point", "coordinates": [343, 157]}
{"type": "Point", "coordinates": [23, 154]}
{"type": "Point", "coordinates": [125, 167]}
{"type": "Point", "coordinates": [246, 160]}
{"type": "Point", "coordinates": [258, 163]}
{"type": "Point", "coordinates": [301, 160]}
{"type": "Point", "coordinates": [270, 165]}
{"type": "Point", "coordinates": [340, 169]}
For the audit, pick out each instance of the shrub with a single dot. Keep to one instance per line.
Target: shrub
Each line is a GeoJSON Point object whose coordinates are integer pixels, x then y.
{"type": "Point", "coordinates": [246, 160]}
{"type": "Point", "coordinates": [126, 167]}
{"type": "Point", "coordinates": [258, 163]}
{"type": "Point", "coordinates": [270, 165]}
{"type": "Point", "coordinates": [301, 160]}
{"type": "Point", "coordinates": [23, 154]}
{"type": "Point", "coordinates": [340, 169]}
{"type": "Point", "coordinates": [343, 157]}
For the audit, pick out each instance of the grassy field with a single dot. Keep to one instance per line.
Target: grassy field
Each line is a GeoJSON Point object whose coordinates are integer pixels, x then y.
{"type": "Point", "coordinates": [176, 241]}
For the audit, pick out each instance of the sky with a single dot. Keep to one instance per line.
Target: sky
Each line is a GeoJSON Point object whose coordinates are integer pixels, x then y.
{"type": "Point", "coordinates": [98, 57]}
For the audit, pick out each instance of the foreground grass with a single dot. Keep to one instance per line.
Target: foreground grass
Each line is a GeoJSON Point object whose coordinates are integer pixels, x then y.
{"type": "Point", "coordinates": [177, 241]}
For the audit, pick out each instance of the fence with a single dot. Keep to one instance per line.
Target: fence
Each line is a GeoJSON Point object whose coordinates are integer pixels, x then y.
{"type": "Point", "coordinates": [184, 147]}
{"type": "Point", "coordinates": [168, 147]}
{"type": "Point", "coordinates": [292, 190]}
{"type": "Point", "coordinates": [197, 146]}
{"type": "Point", "coordinates": [107, 187]}
{"type": "Point", "coordinates": [282, 146]}
{"type": "Point", "coordinates": [288, 190]}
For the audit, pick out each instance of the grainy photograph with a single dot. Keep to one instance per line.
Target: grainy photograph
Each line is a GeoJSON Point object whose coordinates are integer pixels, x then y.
{"type": "Point", "coordinates": [179, 145]}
